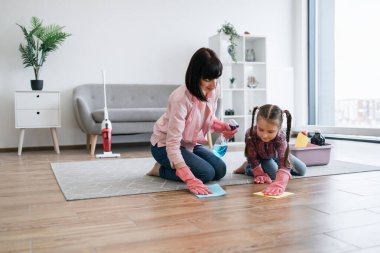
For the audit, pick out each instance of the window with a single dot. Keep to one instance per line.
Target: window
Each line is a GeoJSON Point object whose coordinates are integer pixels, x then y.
{"type": "Point", "coordinates": [344, 63]}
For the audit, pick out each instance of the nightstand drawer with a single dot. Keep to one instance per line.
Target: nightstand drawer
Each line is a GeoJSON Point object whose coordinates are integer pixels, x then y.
{"type": "Point", "coordinates": [37, 100]}
{"type": "Point", "coordinates": [37, 118]}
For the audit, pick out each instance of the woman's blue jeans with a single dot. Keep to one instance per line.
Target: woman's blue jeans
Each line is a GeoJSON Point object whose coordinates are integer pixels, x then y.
{"type": "Point", "coordinates": [270, 166]}
{"type": "Point", "coordinates": [202, 162]}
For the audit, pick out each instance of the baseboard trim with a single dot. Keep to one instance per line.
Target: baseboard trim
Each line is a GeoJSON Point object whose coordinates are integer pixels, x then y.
{"type": "Point", "coordinates": [69, 147]}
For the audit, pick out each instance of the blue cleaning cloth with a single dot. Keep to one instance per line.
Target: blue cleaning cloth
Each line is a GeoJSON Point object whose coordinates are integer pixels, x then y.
{"type": "Point", "coordinates": [216, 191]}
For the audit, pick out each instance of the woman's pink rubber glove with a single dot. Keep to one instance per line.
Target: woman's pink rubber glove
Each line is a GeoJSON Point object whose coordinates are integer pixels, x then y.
{"type": "Point", "coordinates": [224, 128]}
{"type": "Point", "coordinates": [195, 185]}
{"type": "Point", "coordinates": [219, 126]}
{"type": "Point", "coordinates": [278, 186]}
{"type": "Point", "coordinates": [260, 177]}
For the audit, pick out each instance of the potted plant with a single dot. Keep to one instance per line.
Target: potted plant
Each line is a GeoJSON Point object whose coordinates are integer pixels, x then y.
{"type": "Point", "coordinates": [230, 31]}
{"type": "Point", "coordinates": [39, 42]}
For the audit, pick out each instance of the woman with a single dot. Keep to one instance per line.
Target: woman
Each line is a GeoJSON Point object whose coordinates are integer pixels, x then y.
{"type": "Point", "coordinates": [190, 114]}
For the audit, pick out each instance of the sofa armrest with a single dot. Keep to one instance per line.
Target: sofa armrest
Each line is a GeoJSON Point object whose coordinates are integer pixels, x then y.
{"type": "Point", "coordinates": [84, 118]}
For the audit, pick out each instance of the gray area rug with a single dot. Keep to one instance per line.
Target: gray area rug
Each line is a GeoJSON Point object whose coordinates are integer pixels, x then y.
{"type": "Point", "coordinates": [125, 176]}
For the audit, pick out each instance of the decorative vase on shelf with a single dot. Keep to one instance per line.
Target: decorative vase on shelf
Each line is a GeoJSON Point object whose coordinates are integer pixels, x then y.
{"type": "Point", "coordinates": [252, 82]}
{"type": "Point", "coordinates": [250, 55]}
{"type": "Point", "coordinates": [231, 52]}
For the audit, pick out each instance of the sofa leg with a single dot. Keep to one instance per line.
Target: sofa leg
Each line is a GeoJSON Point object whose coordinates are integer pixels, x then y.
{"type": "Point", "coordinates": [88, 140]}
{"type": "Point", "coordinates": [94, 138]}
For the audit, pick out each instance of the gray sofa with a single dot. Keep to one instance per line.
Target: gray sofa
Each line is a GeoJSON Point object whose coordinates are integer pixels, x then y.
{"type": "Point", "coordinates": [132, 108]}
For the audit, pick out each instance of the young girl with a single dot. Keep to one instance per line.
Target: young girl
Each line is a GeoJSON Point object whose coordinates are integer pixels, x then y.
{"type": "Point", "coordinates": [267, 150]}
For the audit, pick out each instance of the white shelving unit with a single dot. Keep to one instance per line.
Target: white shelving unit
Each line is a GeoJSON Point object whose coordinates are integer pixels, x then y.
{"type": "Point", "coordinates": [239, 97]}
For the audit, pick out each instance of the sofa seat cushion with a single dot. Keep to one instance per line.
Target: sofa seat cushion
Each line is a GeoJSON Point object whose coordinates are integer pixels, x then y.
{"type": "Point", "coordinates": [129, 114]}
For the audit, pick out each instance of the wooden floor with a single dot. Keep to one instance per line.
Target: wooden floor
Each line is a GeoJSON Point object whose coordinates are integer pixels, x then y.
{"type": "Point", "coordinates": [326, 214]}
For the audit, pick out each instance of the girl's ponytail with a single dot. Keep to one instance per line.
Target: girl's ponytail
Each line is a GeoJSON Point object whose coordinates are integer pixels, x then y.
{"type": "Point", "coordinates": [288, 127]}
{"type": "Point", "coordinates": [253, 118]}
{"type": "Point", "coordinates": [251, 129]}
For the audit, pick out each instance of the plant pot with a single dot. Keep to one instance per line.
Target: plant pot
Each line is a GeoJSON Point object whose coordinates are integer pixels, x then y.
{"type": "Point", "coordinates": [37, 84]}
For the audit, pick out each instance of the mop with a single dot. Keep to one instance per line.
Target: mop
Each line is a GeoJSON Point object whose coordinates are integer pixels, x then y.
{"type": "Point", "coordinates": [106, 129]}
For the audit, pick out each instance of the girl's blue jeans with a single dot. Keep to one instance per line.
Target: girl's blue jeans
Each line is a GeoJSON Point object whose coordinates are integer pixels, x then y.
{"type": "Point", "coordinates": [202, 162]}
{"type": "Point", "coordinates": [270, 166]}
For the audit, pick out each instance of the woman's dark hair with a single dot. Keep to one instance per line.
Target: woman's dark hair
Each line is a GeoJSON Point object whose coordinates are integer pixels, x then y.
{"type": "Point", "coordinates": [204, 64]}
{"type": "Point", "coordinates": [273, 113]}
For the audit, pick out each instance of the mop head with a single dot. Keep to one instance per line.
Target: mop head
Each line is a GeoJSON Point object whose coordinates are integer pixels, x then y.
{"type": "Point", "coordinates": [108, 155]}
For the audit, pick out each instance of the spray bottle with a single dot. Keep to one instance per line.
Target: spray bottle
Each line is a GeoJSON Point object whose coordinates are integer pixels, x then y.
{"type": "Point", "coordinates": [220, 146]}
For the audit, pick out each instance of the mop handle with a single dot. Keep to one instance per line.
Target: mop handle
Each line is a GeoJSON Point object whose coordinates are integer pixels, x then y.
{"type": "Point", "coordinates": [105, 95]}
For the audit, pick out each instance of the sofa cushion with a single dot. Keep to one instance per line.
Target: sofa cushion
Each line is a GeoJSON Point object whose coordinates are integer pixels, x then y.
{"type": "Point", "coordinates": [129, 114]}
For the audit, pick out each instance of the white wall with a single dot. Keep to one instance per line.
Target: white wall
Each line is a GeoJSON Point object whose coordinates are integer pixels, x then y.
{"type": "Point", "coordinates": [141, 41]}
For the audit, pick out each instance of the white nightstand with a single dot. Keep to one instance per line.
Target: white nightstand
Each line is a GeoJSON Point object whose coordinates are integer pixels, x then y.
{"type": "Point", "coordinates": [37, 109]}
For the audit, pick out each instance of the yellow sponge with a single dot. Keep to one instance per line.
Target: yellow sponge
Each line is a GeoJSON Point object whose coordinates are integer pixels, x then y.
{"type": "Point", "coordinates": [301, 141]}
{"type": "Point", "coordinates": [283, 195]}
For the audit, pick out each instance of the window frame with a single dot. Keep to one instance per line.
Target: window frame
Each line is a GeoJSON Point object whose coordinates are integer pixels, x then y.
{"type": "Point", "coordinates": [347, 133]}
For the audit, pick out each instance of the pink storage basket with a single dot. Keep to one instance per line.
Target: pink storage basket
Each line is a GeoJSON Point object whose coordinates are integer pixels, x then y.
{"type": "Point", "coordinates": [312, 154]}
